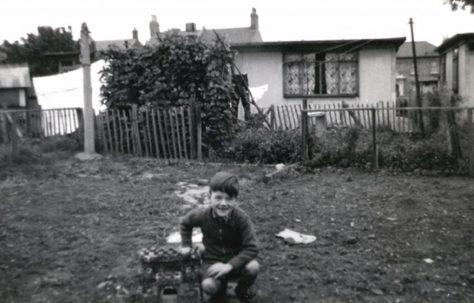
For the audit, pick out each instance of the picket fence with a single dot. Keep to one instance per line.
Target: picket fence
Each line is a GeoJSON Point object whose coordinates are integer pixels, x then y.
{"type": "Point", "coordinates": [388, 115]}
{"type": "Point", "coordinates": [36, 123]}
{"type": "Point", "coordinates": [151, 132]}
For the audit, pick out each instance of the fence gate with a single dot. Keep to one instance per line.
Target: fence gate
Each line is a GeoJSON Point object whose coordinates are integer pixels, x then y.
{"type": "Point", "coordinates": [173, 133]}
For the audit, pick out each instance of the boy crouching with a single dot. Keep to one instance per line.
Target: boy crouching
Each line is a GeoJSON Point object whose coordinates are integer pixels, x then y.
{"type": "Point", "coordinates": [230, 245]}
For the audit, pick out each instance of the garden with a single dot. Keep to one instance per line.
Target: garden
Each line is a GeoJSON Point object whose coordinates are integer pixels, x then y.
{"type": "Point", "coordinates": [71, 230]}
{"type": "Point", "coordinates": [398, 231]}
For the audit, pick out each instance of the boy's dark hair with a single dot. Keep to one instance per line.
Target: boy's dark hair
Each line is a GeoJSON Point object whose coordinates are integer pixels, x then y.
{"type": "Point", "coordinates": [225, 182]}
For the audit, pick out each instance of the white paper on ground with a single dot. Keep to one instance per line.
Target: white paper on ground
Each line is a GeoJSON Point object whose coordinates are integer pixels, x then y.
{"type": "Point", "coordinates": [295, 237]}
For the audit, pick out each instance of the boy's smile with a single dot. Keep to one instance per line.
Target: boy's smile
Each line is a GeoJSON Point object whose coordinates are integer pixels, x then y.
{"type": "Point", "coordinates": [221, 203]}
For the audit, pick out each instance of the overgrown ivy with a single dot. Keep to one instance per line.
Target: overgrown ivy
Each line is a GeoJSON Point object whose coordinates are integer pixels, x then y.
{"type": "Point", "coordinates": [173, 73]}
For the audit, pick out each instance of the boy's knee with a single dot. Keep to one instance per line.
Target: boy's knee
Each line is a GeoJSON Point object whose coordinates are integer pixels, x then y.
{"type": "Point", "coordinates": [210, 286]}
{"type": "Point", "coordinates": [252, 268]}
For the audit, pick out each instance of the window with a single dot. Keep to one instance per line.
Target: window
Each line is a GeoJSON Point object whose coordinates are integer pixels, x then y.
{"type": "Point", "coordinates": [434, 68]}
{"type": "Point", "coordinates": [456, 71]}
{"type": "Point", "coordinates": [443, 68]}
{"type": "Point", "coordinates": [320, 74]}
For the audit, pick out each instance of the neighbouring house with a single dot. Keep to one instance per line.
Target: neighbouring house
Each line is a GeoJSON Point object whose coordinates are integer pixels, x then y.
{"type": "Point", "coordinates": [427, 62]}
{"type": "Point", "coordinates": [236, 35]}
{"type": "Point", "coordinates": [457, 66]}
{"type": "Point", "coordinates": [122, 44]}
{"type": "Point", "coordinates": [15, 87]}
{"type": "Point", "coordinates": [325, 71]}
{"type": "Point", "coordinates": [68, 61]}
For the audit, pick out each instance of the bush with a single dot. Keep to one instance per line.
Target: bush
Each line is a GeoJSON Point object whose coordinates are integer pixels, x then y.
{"type": "Point", "coordinates": [261, 145]}
{"type": "Point", "coordinates": [59, 143]}
{"type": "Point", "coordinates": [342, 147]}
{"type": "Point", "coordinates": [409, 153]}
{"type": "Point", "coordinates": [32, 151]}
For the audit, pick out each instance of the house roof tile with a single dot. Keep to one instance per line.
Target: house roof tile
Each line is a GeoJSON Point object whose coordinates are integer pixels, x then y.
{"type": "Point", "coordinates": [232, 35]}
{"type": "Point", "coordinates": [121, 44]}
{"type": "Point", "coordinates": [422, 48]}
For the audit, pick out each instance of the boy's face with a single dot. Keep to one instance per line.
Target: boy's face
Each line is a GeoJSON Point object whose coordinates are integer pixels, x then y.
{"type": "Point", "coordinates": [221, 203]}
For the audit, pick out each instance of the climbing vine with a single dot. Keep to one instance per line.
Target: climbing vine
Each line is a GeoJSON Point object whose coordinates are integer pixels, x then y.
{"type": "Point", "coordinates": [179, 70]}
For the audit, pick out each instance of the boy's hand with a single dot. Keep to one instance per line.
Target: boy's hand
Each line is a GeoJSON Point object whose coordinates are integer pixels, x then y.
{"type": "Point", "coordinates": [219, 269]}
{"type": "Point", "coordinates": [185, 251]}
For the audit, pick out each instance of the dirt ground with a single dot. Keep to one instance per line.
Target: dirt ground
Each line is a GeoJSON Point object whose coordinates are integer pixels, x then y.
{"type": "Point", "coordinates": [70, 231]}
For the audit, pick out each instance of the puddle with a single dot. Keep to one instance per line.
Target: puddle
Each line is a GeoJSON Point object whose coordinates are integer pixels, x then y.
{"type": "Point", "coordinates": [193, 193]}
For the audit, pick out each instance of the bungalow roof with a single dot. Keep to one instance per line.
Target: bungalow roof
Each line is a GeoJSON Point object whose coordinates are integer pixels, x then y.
{"type": "Point", "coordinates": [455, 40]}
{"type": "Point", "coordinates": [334, 44]}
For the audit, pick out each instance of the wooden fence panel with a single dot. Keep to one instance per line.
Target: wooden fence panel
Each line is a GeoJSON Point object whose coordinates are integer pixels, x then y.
{"type": "Point", "coordinates": [154, 132]}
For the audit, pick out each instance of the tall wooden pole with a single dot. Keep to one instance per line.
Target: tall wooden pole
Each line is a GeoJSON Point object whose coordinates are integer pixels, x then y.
{"type": "Point", "coordinates": [304, 130]}
{"type": "Point", "coordinates": [417, 82]}
{"type": "Point", "coordinates": [88, 114]}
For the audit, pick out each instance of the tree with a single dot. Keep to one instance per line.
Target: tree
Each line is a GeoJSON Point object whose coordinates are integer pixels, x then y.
{"type": "Point", "coordinates": [456, 4]}
{"type": "Point", "coordinates": [34, 49]}
{"type": "Point", "coordinates": [178, 70]}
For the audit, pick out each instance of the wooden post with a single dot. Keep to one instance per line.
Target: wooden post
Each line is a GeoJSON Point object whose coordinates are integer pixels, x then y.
{"type": "Point", "coordinates": [273, 118]}
{"type": "Point", "coordinates": [183, 129]}
{"type": "Point", "coordinates": [374, 138]}
{"type": "Point", "coordinates": [127, 131]}
{"type": "Point", "coordinates": [199, 132]}
{"type": "Point", "coordinates": [470, 125]}
{"type": "Point", "coordinates": [3, 125]}
{"type": "Point", "coordinates": [163, 138]}
{"type": "Point", "coordinates": [89, 145]}
{"type": "Point", "coordinates": [192, 138]}
{"type": "Point", "coordinates": [155, 134]}
{"type": "Point", "coordinates": [135, 132]}
{"type": "Point", "coordinates": [417, 82]}
{"type": "Point", "coordinates": [304, 129]}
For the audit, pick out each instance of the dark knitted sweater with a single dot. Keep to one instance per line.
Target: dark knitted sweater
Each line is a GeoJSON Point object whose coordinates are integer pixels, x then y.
{"type": "Point", "coordinates": [230, 241]}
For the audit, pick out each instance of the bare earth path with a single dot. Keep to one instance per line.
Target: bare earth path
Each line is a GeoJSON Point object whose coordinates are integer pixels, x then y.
{"type": "Point", "coordinates": [70, 231]}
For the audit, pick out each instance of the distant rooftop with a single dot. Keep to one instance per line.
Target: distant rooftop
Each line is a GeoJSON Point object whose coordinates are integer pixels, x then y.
{"type": "Point", "coordinates": [237, 35]}
{"type": "Point", "coordinates": [423, 49]}
{"type": "Point", "coordinates": [14, 76]}
{"type": "Point", "coordinates": [120, 44]}
{"type": "Point", "coordinates": [232, 35]}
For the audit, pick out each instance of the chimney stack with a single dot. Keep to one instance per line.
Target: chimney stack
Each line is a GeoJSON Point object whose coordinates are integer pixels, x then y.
{"type": "Point", "coordinates": [254, 19]}
{"type": "Point", "coordinates": [154, 27]}
{"type": "Point", "coordinates": [135, 34]}
{"type": "Point", "coordinates": [190, 27]}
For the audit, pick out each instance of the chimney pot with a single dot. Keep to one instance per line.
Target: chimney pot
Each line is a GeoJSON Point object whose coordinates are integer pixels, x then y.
{"type": "Point", "coordinates": [135, 34]}
{"type": "Point", "coordinates": [190, 27]}
{"type": "Point", "coordinates": [154, 27]}
{"type": "Point", "coordinates": [254, 19]}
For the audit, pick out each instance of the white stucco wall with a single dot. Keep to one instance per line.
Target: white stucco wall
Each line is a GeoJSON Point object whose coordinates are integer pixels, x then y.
{"type": "Point", "coordinates": [376, 76]}
{"type": "Point", "coordinates": [466, 77]}
{"type": "Point", "coordinates": [264, 68]}
{"type": "Point", "coordinates": [466, 74]}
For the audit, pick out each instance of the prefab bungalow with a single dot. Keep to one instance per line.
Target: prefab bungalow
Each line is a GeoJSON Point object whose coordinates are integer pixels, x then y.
{"type": "Point", "coordinates": [329, 71]}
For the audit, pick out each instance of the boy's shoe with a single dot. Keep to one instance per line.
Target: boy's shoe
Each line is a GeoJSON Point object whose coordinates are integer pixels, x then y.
{"type": "Point", "coordinates": [245, 295]}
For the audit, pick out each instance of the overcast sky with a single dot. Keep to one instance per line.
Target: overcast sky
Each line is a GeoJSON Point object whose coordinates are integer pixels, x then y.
{"type": "Point", "coordinates": [278, 20]}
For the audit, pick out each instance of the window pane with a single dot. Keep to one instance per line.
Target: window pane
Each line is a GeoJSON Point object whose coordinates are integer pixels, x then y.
{"type": "Point", "coordinates": [308, 74]}
{"type": "Point", "coordinates": [320, 74]}
{"type": "Point", "coordinates": [292, 85]}
{"type": "Point", "coordinates": [348, 77]}
{"type": "Point", "coordinates": [332, 78]}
